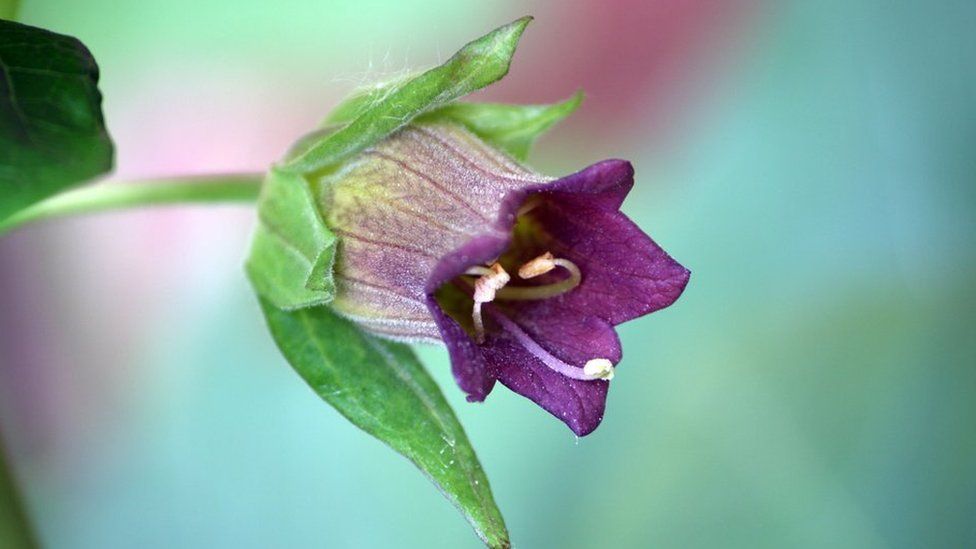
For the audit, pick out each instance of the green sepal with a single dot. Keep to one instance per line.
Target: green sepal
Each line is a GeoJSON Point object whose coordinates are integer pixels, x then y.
{"type": "Point", "coordinates": [292, 253]}
{"type": "Point", "coordinates": [477, 64]}
{"type": "Point", "coordinates": [363, 98]}
{"type": "Point", "coordinates": [52, 133]}
{"type": "Point", "coordinates": [382, 388]}
{"type": "Point", "coordinates": [511, 128]}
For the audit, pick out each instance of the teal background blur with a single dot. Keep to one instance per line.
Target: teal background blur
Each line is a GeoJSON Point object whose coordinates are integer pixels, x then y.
{"type": "Point", "coordinates": [813, 163]}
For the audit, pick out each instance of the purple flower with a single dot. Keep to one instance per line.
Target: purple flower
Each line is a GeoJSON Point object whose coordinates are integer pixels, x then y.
{"type": "Point", "coordinates": [523, 277]}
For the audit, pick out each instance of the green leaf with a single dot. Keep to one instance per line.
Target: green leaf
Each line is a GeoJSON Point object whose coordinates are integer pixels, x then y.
{"type": "Point", "coordinates": [382, 388]}
{"type": "Point", "coordinates": [15, 529]}
{"type": "Point", "coordinates": [512, 128]}
{"type": "Point", "coordinates": [473, 67]}
{"type": "Point", "coordinates": [52, 134]}
{"type": "Point", "coordinates": [292, 252]}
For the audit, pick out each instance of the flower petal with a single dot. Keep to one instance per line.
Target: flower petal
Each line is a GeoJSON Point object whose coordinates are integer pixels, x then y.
{"type": "Point", "coordinates": [574, 339]}
{"type": "Point", "coordinates": [625, 273]}
{"type": "Point", "coordinates": [604, 184]}
{"type": "Point", "coordinates": [467, 364]}
{"type": "Point", "coordinates": [471, 372]}
{"type": "Point", "coordinates": [578, 404]}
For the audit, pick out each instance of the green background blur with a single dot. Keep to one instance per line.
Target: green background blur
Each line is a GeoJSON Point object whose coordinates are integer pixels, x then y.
{"type": "Point", "coordinates": [812, 163]}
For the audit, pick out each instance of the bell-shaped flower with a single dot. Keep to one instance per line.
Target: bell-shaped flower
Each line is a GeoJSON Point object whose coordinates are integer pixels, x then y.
{"type": "Point", "coordinates": [523, 277]}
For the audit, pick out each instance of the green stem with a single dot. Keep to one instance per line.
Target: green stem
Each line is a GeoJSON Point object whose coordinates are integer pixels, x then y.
{"type": "Point", "coordinates": [8, 9]}
{"type": "Point", "coordinates": [116, 196]}
{"type": "Point", "coordinates": [15, 530]}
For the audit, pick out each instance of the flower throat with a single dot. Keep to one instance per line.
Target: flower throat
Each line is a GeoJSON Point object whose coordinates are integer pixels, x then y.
{"type": "Point", "coordinates": [490, 283]}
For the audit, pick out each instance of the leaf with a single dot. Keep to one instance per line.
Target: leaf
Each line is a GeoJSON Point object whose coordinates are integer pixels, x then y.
{"type": "Point", "coordinates": [512, 128]}
{"type": "Point", "coordinates": [382, 388]}
{"type": "Point", "coordinates": [473, 67]}
{"type": "Point", "coordinates": [52, 134]}
{"type": "Point", "coordinates": [292, 252]}
{"type": "Point", "coordinates": [15, 528]}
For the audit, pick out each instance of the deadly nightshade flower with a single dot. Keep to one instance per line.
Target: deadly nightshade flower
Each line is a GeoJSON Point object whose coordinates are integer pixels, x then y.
{"type": "Point", "coordinates": [523, 277]}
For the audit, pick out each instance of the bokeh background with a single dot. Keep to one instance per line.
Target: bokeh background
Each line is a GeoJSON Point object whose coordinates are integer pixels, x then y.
{"type": "Point", "coordinates": [813, 163]}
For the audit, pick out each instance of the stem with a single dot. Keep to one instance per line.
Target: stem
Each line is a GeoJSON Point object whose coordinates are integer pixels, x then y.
{"type": "Point", "coordinates": [8, 9]}
{"type": "Point", "coordinates": [15, 530]}
{"type": "Point", "coordinates": [117, 196]}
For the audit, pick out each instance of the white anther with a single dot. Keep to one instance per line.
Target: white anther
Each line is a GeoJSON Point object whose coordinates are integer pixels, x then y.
{"type": "Point", "coordinates": [491, 280]}
{"type": "Point", "coordinates": [538, 266]}
{"type": "Point", "coordinates": [599, 368]}
{"type": "Point", "coordinates": [487, 284]}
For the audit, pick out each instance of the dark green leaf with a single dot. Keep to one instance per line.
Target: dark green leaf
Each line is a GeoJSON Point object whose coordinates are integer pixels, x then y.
{"type": "Point", "coordinates": [381, 388]}
{"type": "Point", "coordinates": [512, 128]}
{"type": "Point", "coordinates": [15, 531]}
{"type": "Point", "coordinates": [52, 134]}
{"type": "Point", "coordinates": [476, 65]}
{"type": "Point", "coordinates": [290, 262]}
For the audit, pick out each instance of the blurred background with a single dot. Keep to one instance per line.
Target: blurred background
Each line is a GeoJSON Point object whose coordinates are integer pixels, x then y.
{"type": "Point", "coordinates": [813, 163]}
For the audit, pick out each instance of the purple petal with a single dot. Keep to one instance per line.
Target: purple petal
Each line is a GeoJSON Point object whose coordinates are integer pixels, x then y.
{"type": "Point", "coordinates": [625, 273]}
{"type": "Point", "coordinates": [578, 404]}
{"type": "Point", "coordinates": [604, 184]}
{"type": "Point", "coordinates": [572, 338]}
{"type": "Point", "coordinates": [467, 364]}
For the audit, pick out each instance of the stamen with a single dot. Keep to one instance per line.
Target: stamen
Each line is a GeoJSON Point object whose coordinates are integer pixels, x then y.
{"type": "Point", "coordinates": [490, 280]}
{"type": "Point", "coordinates": [538, 266]}
{"type": "Point", "coordinates": [597, 368]}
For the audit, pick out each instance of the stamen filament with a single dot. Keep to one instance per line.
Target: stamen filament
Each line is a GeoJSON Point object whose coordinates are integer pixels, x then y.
{"type": "Point", "coordinates": [479, 323]}
{"type": "Point", "coordinates": [598, 368]}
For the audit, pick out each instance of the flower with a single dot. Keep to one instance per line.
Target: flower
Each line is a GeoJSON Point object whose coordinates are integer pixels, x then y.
{"type": "Point", "coordinates": [523, 277]}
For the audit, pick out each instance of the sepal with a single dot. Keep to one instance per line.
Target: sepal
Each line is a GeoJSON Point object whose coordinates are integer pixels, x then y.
{"type": "Point", "coordinates": [510, 128]}
{"type": "Point", "coordinates": [477, 64]}
{"type": "Point", "coordinates": [292, 254]}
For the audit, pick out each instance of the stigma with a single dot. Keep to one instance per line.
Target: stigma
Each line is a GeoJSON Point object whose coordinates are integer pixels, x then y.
{"type": "Point", "coordinates": [599, 368]}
